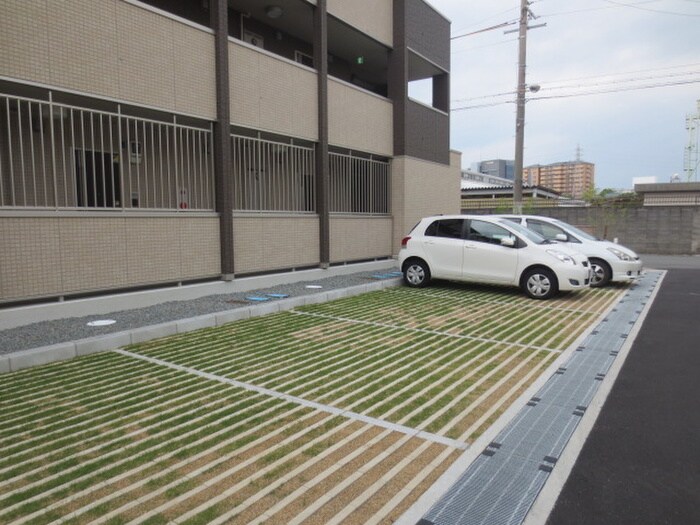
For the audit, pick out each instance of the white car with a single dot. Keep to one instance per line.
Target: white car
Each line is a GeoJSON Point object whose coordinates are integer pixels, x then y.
{"type": "Point", "coordinates": [489, 250]}
{"type": "Point", "coordinates": [609, 261]}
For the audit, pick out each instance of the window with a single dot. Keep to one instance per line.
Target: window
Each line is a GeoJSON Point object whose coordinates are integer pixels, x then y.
{"type": "Point", "coordinates": [450, 228]}
{"type": "Point", "coordinates": [481, 231]}
{"type": "Point", "coordinates": [253, 39]}
{"type": "Point", "coordinates": [97, 179]}
{"type": "Point", "coordinates": [546, 230]}
{"type": "Point", "coordinates": [304, 59]}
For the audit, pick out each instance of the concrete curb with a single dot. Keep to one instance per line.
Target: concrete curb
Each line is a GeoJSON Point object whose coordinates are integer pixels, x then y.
{"type": "Point", "coordinates": [62, 351]}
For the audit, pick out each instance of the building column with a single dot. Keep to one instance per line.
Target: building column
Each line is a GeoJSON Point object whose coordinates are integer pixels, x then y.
{"type": "Point", "coordinates": [223, 182]}
{"type": "Point", "coordinates": [398, 76]}
{"type": "Point", "coordinates": [322, 162]}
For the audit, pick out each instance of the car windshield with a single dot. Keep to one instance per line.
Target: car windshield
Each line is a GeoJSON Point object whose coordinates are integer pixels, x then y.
{"type": "Point", "coordinates": [575, 231]}
{"type": "Point", "coordinates": [528, 234]}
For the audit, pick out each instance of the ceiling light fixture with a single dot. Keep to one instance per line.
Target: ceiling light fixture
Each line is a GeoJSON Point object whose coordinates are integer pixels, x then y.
{"type": "Point", "coordinates": [273, 11]}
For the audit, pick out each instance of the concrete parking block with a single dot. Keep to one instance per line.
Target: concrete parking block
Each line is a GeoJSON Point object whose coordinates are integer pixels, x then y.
{"type": "Point", "coordinates": [102, 343]}
{"type": "Point", "coordinates": [4, 364]}
{"type": "Point", "coordinates": [337, 294]}
{"type": "Point", "coordinates": [147, 333]}
{"type": "Point", "coordinates": [375, 286]}
{"type": "Point", "coordinates": [232, 315]}
{"type": "Point", "coordinates": [264, 309]}
{"type": "Point", "coordinates": [41, 356]}
{"type": "Point", "coordinates": [291, 303]}
{"type": "Point", "coordinates": [316, 298]}
{"type": "Point", "coordinates": [196, 323]}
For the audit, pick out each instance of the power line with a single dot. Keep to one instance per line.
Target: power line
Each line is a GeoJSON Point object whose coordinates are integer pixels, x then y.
{"type": "Point", "coordinates": [553, 84]}
{"type": "Point", "coordinates": [491, 28]}
{"type": "Point", "coordinates": [597, 92]}
{"type": "Point", "coordinates": [631, 72]}
{"type": "Point", "coordinates": [649, 9]}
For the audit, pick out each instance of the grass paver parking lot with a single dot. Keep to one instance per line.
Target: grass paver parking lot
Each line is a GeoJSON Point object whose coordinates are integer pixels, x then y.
{"type": "Point", "coordinates": [337, 412]}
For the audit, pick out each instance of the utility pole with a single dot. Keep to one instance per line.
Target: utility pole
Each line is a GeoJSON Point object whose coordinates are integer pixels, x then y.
{"type": "Point", "coordinates": [520, 109]}
{"type": "Point", "coordinates": [525, 14]}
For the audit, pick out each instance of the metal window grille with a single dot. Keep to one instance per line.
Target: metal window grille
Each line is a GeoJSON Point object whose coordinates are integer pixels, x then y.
{"type": "Point", "coordinates": [273, 176]}
{"type": "Point", "coordinates": [359, 185]}
{"type": "Point", "coordinates": [66, 157]}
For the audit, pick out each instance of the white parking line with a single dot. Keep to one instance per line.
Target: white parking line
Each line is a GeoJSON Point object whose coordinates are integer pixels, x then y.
{"type": "Point", "coordinates": [434, 438]}
{"type": "Point", "coordinates": [424, 331]}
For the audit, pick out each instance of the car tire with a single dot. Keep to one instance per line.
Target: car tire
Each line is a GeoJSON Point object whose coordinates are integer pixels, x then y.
{"type": "Point", "coordinates": [540, 283]}
{"type": "Point", "coordinates": [416, 273]}
{"type": "Point", "coordinates": [601, 273]}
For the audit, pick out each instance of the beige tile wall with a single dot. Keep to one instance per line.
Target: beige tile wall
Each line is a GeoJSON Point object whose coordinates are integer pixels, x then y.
{"type": "Point", "coordinates": [374, 17]}
{"type": "Point", "coordinates": [264, 243]}
{"type": "Point", "coordinates": [43, 256]}
{"type": "Point", "coordinates": [109, 48]}
{"type": "Point", "coordinates": [358, 120]}
{"type": "Point", "coordinates": [355, 238]}
{"type": "Point", "coordinates": [24, 40]}
{"type": "Point", "coordinates": [272, 94]}
{"type": "Point", "coordinates": [421, 188]}
{"type": "Point", "coordinates": [30, 263]}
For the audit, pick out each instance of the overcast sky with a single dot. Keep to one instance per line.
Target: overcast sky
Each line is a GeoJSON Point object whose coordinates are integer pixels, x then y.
{"type": "Point", "coordinates": [587, 46]}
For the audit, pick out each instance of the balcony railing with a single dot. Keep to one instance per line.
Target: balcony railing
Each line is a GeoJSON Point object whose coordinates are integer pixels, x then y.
{"type": "Point", "coordinates": [60, 156]}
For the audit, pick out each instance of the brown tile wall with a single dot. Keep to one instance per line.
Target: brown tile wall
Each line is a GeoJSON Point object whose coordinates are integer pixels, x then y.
{"type": "Point", "coordinates": [110, 48]}
{"type": "Point", "coordinates": [420, 188]}
{"type": "Point", "coordinates": [44, 256]}
{"type": "Point", "coordinates": [263, 243]}
{"type": "Point", "coordinates": [374, 17]}
{"type": "Point", "coordinates": [356, 238]}
{"type": "Point", "coordinates": [358, 120]}
{"type": "Point", "coordinates": [272, 94]}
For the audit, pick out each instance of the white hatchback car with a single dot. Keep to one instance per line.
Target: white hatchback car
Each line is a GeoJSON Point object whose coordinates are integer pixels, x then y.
{"type": "Point", "coordinates": [609, 261]}
{"type": "Point", "coordinates": [489, 250]}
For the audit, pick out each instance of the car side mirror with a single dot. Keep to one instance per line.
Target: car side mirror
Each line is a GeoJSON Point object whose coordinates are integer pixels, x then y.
{"type": "Point", "coordinates": [508, 241]}
{"type": "Point", "coordinates": [561, 237]}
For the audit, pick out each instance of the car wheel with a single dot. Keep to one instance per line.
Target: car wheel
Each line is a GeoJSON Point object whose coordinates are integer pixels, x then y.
{"type": "Point", "coordinates": [540, 283]}
{"type": "Point", "coordinates": [600, 273]}
{"type": "Point", "coordinates": [416, 273]}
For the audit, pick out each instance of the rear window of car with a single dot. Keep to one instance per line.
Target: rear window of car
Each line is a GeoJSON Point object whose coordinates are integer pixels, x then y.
{"type": "Point", "coordinates": [450, 228]}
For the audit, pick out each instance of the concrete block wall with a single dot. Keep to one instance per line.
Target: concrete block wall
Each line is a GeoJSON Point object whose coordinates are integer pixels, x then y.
{"type": "Point", "coordinates": [664, 230]}
{"type": "Point", "coordinates": [267, 242]}
{"type": "Point", "coordinates": [48, 256]}
{"type": "Point", "coordinates": [110, 48]}
{"type": "Point", "coordinates": [359, 237]}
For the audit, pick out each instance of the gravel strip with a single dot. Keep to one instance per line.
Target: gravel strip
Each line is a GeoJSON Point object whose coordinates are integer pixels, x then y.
{"type": "Point", "coordinates": [74, 328]}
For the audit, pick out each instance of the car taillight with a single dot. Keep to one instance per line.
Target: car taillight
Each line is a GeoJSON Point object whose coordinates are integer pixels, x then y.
{"type": "Point", "coordinates": [404, 241]}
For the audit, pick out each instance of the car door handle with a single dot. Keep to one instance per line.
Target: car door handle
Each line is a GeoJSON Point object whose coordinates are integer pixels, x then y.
{"type": "Point", "coordinates": [470, 247]}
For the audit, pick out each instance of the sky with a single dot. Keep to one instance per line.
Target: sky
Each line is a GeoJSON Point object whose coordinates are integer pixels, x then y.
{"type": "Point", "coordinates": [587, 46]}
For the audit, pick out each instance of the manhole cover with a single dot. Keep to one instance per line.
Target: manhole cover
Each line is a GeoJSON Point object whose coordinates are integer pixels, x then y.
{"type": "Point", "coordinates": [102, 322]}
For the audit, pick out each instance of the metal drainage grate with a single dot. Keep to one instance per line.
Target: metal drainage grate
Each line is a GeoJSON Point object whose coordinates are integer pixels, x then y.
{"type": "Point", "coordinates": [500, 486]}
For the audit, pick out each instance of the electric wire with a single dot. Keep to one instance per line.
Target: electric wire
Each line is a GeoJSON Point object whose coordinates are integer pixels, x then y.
{"type": "Point", "coordinates": [597, 92]}
{"type": "Point", "coordinates": [661, 11]}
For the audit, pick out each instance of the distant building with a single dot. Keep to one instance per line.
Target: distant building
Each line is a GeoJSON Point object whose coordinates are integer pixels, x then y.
{"type": "Point", "coordinates": [480, 190]}
{"type": "Point", "coordinates": [475, 179]}
{"type": "Point", "coordinates": [670, 193]}
{"type": "Point", "coordinates": [497, 168]}
{"type": "Point", "coordinates": [571, 178]}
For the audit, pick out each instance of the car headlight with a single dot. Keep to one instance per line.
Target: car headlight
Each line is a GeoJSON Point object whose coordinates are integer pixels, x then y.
{"type": "Point", "coordinates": [561, 256]}
{"type": "Point", "coordinates": [620, 254]}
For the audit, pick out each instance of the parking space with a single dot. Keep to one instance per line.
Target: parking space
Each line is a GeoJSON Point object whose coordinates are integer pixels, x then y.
{"type": "Point", "coordinates": [338, 412]}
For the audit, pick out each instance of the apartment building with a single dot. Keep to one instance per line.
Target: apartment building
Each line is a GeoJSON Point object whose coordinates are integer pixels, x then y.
{"type": "Point", "coordinates": [153, 142]}
{"type": "Point", "coordinates": [571, 179]}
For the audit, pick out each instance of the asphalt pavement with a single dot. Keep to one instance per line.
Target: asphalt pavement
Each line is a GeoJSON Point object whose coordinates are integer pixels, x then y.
{"type": "Point", "coordinates": [641, 463]}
